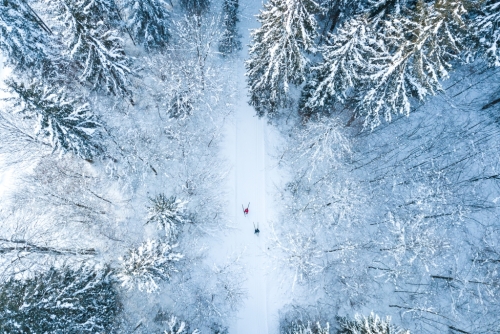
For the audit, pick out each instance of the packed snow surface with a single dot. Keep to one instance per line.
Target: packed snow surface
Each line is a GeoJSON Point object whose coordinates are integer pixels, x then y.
{"type": "Point", "coordinates": [246, 148]}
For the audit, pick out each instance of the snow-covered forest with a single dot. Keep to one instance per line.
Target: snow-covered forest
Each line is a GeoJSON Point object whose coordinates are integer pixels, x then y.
{"type": "Point", "coordinates": [230, 166]}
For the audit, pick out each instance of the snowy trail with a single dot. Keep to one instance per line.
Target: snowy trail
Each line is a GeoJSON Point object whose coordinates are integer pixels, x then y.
{"type": "Point", "coordinates": [245, 146]}
{"type": "Point", "coordinates": [250, 180]}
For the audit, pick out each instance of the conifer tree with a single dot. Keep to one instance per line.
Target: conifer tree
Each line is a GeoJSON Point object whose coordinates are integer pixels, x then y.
{"type": "Point", "coordinates": [389, 62]}
{"type": "Point", "coordinates": [336, 12]}
{"type": "Point", "coordinates": [24, 37]}
{"type": "Point", "coordinates": [93, 43]}
{"type": "Point", "coordinates": [144, 267]}
{"type": "Point", "coordinates": [195, 7]}
{"type": "Point", "coordinates": [419, 49]}
{"type": "Point", "coordinates": [64, 122]}
{"type": "Point", "coordinates": [372, 324]}
{"type": "Point", "coordinates": [385, 8]}
{"type": "Point", "coordinates": [277, 54]}
{"type": "Point", "coordinates": [168, 213]}
{"type": "Point", "coordinates": [64, 300]}
{"type": "Point", "coordinates": [230, 38]}
{"type": "Point", "coordinates": [148, 21]}
{"type": "Point", "coordinates": [488, 31]}
{"type": "Point", "coordinates": [343, 65]}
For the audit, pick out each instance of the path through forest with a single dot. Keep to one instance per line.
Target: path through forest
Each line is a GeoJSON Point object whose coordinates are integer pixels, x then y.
{"type": "Point", "coordinates": [246, 151]}
{"type": "Point", "coordinates": [250, 180]}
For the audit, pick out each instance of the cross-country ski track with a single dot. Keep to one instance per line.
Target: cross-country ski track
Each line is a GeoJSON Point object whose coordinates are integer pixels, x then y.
{"type": "Point", "coordinates": [247, 141]}
{"type": "Point", "coordinates": [246, 152]}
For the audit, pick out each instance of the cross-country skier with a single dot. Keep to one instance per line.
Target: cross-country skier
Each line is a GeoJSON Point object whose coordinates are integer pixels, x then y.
{"type": "Point", "coordinates": [245, 210]}
{"type": "Point", "coordinates": [256, 229]}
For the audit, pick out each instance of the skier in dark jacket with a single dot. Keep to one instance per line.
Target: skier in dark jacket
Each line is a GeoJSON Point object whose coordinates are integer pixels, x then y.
{"type": "Point", "coordinates": [256, 229]}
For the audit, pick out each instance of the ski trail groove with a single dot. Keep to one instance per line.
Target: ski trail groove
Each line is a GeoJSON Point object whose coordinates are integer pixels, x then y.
{"type": "Point", "coordinates": [246, 144]}
{"type": "Point", "coordinates": [250, 187]}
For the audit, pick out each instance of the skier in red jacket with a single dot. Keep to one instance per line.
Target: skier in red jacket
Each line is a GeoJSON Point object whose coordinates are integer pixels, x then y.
{"type": "Point", "coordinates": [245, 210]}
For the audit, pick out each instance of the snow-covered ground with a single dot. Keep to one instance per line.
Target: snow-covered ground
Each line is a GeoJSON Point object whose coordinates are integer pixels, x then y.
{"type": "Point", "coordinates": [248, 182]}
{"type": "Point", "coordinates": [247, 145]}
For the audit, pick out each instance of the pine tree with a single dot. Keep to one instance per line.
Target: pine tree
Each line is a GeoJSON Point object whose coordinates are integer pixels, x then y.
{"type": "Point", "coordinates": [419, 50]}
{"type": "Point", "coordinates": [336, 12]}
{"type": "Point", "coordinates": [372, 324]}
{"type": "Point", "coordinates": [24, 37]}
{"type": "Point", "coordinates": [277, 54]}
{"type": "Point", "coordinates": [168, 213]}
{"type": "Point", "coordinates": [148, 21]}
{"type": "Point", "coordinates": [66, 123]}
{"type": "Point", "coordinates": [384, 64]}
{"type": "Point", "coordinates": [92, 42]}
{"type": "Point", "coordinates": [386, 8]}
{"type": "Point", "coordinates": [230, 39]}
{"type": "Point", "coordinates": [64, 300]}
{"type": "Point", "coordinates": [144, 267]}
{"type": "Point", "coordinates": [342, 67]}
{"type": "Point", "coordinates": [195, 7]}
{"type": "Point", "coordinates": [488, 31]}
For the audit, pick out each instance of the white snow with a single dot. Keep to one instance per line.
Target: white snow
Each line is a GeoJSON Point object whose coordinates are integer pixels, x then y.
{"type": "Point", "coordinates": [246, 149]}
{"type": "Point", "coordinates": [249, 185]}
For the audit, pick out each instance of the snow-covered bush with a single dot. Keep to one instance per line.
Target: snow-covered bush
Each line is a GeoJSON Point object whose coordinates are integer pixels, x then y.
{"type": "Point", "coordinates": [64, 300]}
{"type": "Point", "coordinates": [322, 142]}
{"type": "Point", "coordinates": [372, 324]}
{"type": "Point", "coordinates": [208, 295]}
{"type": "Point", "coordinates": [144, 267]}
{"type": "Point", "coordinates": [168, 213]}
